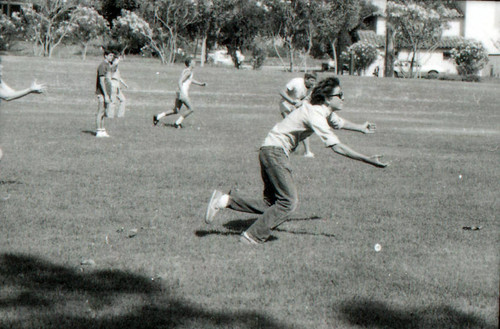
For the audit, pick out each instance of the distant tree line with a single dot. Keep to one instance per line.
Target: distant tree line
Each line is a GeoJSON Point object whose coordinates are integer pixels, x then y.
{"type": "Point", "coordinates": [168, 29]}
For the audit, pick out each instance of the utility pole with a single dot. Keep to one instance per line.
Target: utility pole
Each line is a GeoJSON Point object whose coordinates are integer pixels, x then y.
{"type": "Point", "coordinates": [389, 52]}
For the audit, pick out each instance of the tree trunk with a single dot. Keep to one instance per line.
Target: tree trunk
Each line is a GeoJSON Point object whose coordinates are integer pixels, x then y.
{"type": "Point", "coordinates": [84, 51]}
{"type": "Point", "coordinates": [290, 51]}
{"type": "Point", "coordinates": [278, 53]}
{"type": "Point", "coordinates": [412, 63]}
{"type": "Point", "coordinates": [334, 53]}
{"type": "Point", "coordinates": [389, 53]}
{"type": "Point", "coordinates": [203, 55]}
{"type": "Point", "coordinates": [351, 65]}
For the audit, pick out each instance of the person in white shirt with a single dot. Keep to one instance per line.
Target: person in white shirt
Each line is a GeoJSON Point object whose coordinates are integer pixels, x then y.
{"type": "Point", "coordinates": [280, 193]}
{"type": "Point", "coordinates": [117, 98]}
{"type": "Point", "coordinates": [292, 96]}
{"type": "Point", "coordinates": [182, 97]}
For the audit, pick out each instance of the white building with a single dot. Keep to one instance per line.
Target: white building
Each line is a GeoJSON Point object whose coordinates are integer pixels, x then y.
{"type": "Point", "coordinates": [478, 20]}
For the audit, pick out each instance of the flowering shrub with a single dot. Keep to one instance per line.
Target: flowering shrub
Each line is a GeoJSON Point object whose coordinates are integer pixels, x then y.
{"type": "Point", "coordinates": [9, 31]}
{"type": "Point", "coordinates": [364, 55]}
{"type": "Point", "coordinates": [86, 24]}
{"type": "Point", "coordinates": [131, 29]}
{"type": "Point", "coordinates": [470, 57]}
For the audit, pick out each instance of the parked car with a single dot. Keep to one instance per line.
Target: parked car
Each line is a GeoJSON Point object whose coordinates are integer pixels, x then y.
{"type": "Point", "coordinates": [222, 57]}
{"type": "Point", "coordinates": [402, 70]}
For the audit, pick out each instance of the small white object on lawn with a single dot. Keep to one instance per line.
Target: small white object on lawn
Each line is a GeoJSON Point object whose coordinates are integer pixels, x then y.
{"type": "Point", "coordinates": [459, 176]}
{"type": "Point", "coordinates": [377, 247]}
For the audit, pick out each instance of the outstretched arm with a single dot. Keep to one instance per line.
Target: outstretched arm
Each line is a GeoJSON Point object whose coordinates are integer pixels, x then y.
{"type": "Point", "coordinates": [123, 83]}
{"type": "Point", "coordinates": [8, 94]}
{"type": "Point", "coordinates": [203, 84]}
{"type": "Point", "coordinates": [365, 128]}
{"type": "Point", "coordinates": [346, 151]}
{"type": "Point", "coordinates": [286, 97]}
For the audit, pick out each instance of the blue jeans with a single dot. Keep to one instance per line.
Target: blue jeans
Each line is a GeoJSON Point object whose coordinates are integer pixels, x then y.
{"type": "Point", "coordinates": [280, 194]}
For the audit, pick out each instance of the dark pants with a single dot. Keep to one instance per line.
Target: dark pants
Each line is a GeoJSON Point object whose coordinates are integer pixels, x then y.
{"type": "Point", "coordinates": [280, 194]}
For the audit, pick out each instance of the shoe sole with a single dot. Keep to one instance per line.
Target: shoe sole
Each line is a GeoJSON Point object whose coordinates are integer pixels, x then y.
{"type": "Point", "coordinates": [246, 239]}
{"type": "Point", "coordinates": [209, 218]}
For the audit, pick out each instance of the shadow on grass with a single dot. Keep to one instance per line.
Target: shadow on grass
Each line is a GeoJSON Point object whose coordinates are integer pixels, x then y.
{"type": "Point", "coordinates": [39, 294]}
{"type": "Point", "coordinates": [10, 182]}
{"type": "Point", "coordinates": [373, 314]}
{"type": "Point", "coordinates": [236, 227]}
{"type": "Point", "coordinates": [90, 132]}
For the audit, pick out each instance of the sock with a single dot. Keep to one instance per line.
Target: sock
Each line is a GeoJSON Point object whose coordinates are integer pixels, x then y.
{"type": "Point", "coordinates": [159, 116]}
{"type": "Point", "coordinates": [223, 201]}
{"type": "Point", "coordinates": [179, 121]}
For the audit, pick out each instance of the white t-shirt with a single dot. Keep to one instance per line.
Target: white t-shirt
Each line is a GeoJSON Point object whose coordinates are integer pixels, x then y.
{"type": "Point", "coordinates": [186, 83]}
{"type": "Point", "coordinates": [296, 89]}
{"type": "Point", "coordinates": [302, 123]}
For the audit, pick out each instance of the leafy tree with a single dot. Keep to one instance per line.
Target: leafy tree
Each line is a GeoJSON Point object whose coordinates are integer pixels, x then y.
{"type": "Point", "coordinates": [334, 23]}
{"type": "Point", "coordinates": [47, 24]}
{"type": "Point", "coordinates": [239, 22]}
{"type": "Point", "coordinates": [363, 55]}
{"type": "Point", "coordinates": [169, 20]}
{"type": "Point", "coordinates": [131, 28]}
{"type": "Point", "coordinates": [258, 53]}
{"type": "Point", "coordinates": [470, 57]}
{"type": "Point", "coordinates": [205, 25]}
{"type": "Point", "coordinates": [291, 22]}
{"type": "Point", "coordinates": [10, 30]}
{"type": "Point", "coordinates": [417, 24]}
{"type": "Point", "coordinates": [86, 25]}
{"type": "Point", "coordinates": [111, 9]}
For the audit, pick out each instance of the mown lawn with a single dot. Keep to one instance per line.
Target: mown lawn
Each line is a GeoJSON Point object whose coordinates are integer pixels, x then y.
{"type": "Point", "coordinates": [134, 204]}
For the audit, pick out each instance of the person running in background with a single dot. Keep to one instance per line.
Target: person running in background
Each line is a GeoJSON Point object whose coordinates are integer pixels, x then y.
{"type": "Point", "coordinates": [182, 97]}
{"type": "Point", "coordinates": [280, 193]}
{"type": "Point", "coordinates": [103, 87]}
{"type": "Point", "coordinates": [9, 94]}
{"type": "Point", "coordinates": [118, 100]}
{"type": "Point", "coordinates": [295, 92]}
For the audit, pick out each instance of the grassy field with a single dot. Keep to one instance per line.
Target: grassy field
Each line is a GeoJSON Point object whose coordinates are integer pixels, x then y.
{"type": "Point", "coordinates": [132, 206]}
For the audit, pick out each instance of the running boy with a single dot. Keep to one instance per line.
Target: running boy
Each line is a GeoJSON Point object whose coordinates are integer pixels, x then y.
{"type": "Point", "coordinates": [296, 91]}
{"type": "Point", "coordinates": [182, 97]}
{"type": "Point", "coordinates": [280, 193]}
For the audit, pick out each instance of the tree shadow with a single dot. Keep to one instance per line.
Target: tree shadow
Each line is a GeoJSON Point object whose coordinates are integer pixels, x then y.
{"type": "Point", "coordinates": [48, 295]}
{"type": "Point", "coordinates": [374, 314]}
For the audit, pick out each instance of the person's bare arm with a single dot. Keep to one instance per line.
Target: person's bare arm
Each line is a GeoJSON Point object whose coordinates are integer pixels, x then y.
{"type": "Point", "coordinates": [365, 128]}
{"type": "Point", "coordinates": [346, 151]}
{"type": "Point", "coordinates": [203, 84]}
{"type": "Point", "coordinates": [123, 83]}
{"type": "Point", "coordinates": [102, 82]}
{"type": "Point", "coordinates": [286, 97]}
{"type": "Point", "coordinates": [8, 94]}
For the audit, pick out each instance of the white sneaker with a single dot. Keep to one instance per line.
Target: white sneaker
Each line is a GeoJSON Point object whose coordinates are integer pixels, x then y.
{"type": "Point", "coordinates": [213, 206]}
{"type": "Point", "coordinates": [309, 155]}
{"type": "Point", "coordinates": [101, 133]}
{"type": "Point", "coordinates": [248, 239]}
